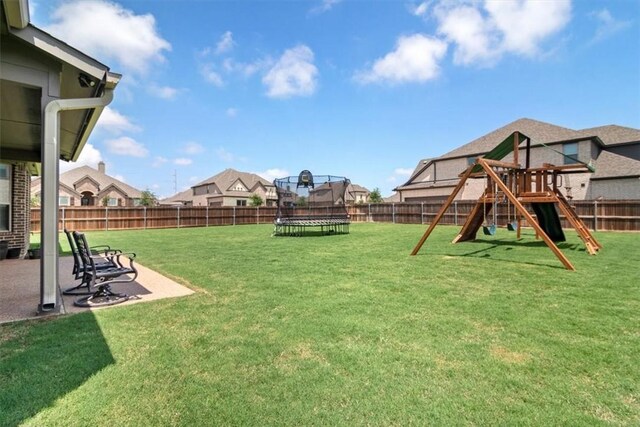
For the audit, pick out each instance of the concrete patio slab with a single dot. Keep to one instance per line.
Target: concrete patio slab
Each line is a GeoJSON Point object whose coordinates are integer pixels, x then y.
{"type": "Point", "coordinates": [20, 289]}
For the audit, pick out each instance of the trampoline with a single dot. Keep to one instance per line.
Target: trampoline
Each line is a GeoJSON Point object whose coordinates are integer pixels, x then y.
{"type": "Point", "coordinates": [311, 205]}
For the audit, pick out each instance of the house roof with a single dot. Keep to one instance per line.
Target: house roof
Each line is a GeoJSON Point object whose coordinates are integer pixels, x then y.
{"type": "Point", "coordinates": [225, 179]}
{"type": "Point", "coordinates": [612, 165]}
{"type": "Point", "coordinates": [20, 117]}
{"type": "Point", "coordinates": [183, 196]}
{"type": "Point", "coordinates": [539, 132]}
{"type": "Point", "coordinates": [613, 134]}
{"type": "Point", "coordinates": [358, 189]}
{"type": "Point", "coordinates": [71, 177]}
{"type": "Point", "coordinates": [545, 133]}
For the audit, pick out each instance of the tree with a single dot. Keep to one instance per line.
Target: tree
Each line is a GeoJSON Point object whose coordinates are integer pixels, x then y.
{"type": "Point", "coordinates": [301, 201]}
{"type": "Point", "coordinates": [105, 201]}
{"type": "Point", "coordinates": [148, 198]}
{"type": "Point", "coordinates": [255, 200]}
{"type": "Point", "coordinates": [375, 197]}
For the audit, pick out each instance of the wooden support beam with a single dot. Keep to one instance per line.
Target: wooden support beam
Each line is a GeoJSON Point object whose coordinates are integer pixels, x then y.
{"type": "Point", "coordinates": [523, 211]}
{"type": "Point", "coordinates": [499, 164]}
{"type": "Point", "coordinates": [443, 209]}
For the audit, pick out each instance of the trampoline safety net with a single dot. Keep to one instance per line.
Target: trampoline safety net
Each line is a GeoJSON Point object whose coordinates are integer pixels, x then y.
{"type": "Point", "coordinates": [311, 205]}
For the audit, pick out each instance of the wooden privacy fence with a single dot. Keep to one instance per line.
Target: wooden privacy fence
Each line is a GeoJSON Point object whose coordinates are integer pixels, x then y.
{"type": "Point", "coordinates": [597, 215]}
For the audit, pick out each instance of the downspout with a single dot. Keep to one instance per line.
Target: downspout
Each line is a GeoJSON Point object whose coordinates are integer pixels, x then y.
{"type": "Point", "coordinates": [49, 193]}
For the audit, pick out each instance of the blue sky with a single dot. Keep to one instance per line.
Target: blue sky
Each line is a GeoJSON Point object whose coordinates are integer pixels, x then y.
{"type": "Point", "coordinates": [363, 89]}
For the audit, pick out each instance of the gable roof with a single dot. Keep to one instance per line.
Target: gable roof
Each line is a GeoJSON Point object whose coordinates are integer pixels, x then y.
{"type": "Point", "coordinates": [69, 178]}
{"type": "Point", "coordinates": [539, 132]}
{"type": "Point", "coordinates": [225, 179]}
{"type": "Point", "coordinates": [612, 165]}
{"type": "Point", "coordinates": [613, 134]}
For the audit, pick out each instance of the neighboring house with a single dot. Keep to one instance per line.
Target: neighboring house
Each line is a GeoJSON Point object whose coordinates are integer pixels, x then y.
{"type": "Point", "coordinates": [51, 96]}
{"type": "Point", "coordinates": [614, 150]}
{"type": "Point", "coordinates": [357, 194]}
{"type": "Point", "coordinates": [394, 198]}
{"type": "Point", "coordinates": [86, 186]}
{"type": "Point", "coordinates": [228, 188]}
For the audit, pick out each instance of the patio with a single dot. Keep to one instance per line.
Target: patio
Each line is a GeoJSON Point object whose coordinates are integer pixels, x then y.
{"type": "Point", "coordinates": [20, 289]}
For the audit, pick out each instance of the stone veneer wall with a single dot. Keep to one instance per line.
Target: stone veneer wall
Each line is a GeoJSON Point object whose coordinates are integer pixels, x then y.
{"type": "Point", "coordinates": [18, 237]}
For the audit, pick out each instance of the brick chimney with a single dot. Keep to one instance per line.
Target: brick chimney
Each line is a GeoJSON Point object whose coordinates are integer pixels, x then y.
{"type": "Point", "coordinates": [101, 167]}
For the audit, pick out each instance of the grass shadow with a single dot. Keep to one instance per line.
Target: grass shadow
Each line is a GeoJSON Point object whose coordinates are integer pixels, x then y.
{"type": "Point", "coordinates": [40, 365]}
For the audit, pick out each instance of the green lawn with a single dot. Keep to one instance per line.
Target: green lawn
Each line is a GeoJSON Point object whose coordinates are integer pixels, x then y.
{"type": "Point", "coordinates": [343, 330]}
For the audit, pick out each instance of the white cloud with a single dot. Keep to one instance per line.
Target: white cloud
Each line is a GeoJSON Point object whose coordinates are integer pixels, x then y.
{"type": "Point", "coordinates": [482, 32]}
{"type": "Point", "coordinates": [421, 9]}
{"type": "Point", "coordinates": [108, 31]}
{"type": "Point", "coordinates": [400, 174]}
{"type": "Point", "coordinates": [114, 122]}
{"type": "Point", "coordinates": [607, 25]}
{"type": "Point", "coordinates": [182, 161]}
{"type": "Point", "coordinates": [467, 29]}
{"type": "Point", "coordinates": [227, 156]}
{"type": "Point", "coordinates": [415, 59]}
{"type": "Point", "coordinates": [89, 156]}
{"type": "Point", "coordinates": [232, 112]}
{"type": "Point", "coordinates": [293, 74]}
{"type": "Point", "coordinates": [247, 69]}
{"type": "Point", "coordinates": [164, 92]}
{"type": "Point", "coordinates": [159, 161]}
{"type": "Point", "coordinates": [125, 146]}
{"type": "Point", "coordinates": [536, 20]}
{"type": "Point", "coordinates": [324, 6]}
{"type": "Point", "coordinates": [193, 148]}
{"type": "Point", "coordinates": [211, 76]}
{"type": "Point", "coordinates": [271, 174]}
{"type": "Point", "coordinates": [403, 171]}
{"type": "Point", "coordinates": [225, 44]}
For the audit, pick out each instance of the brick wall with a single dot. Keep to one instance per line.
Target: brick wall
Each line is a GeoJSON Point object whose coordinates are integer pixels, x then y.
{"type": "Point", "coordinates": [18, 237]}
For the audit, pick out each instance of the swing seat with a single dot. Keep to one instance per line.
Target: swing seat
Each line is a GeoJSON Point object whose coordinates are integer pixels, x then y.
{"type": "Point", "coordinates": [512, 226]}
{"type": "Point", "coordinates": [489, 230]}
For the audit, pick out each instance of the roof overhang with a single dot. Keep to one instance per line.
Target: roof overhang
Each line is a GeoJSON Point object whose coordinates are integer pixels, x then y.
{"type": "Point", "coordinates": [72, 75]}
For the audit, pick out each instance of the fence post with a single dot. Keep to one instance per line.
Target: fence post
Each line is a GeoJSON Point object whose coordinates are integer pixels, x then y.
{"type": "Point", "coordinates": [369, 219]}
{"type": "Point", "coordinates": [144, 210]}
{"type": "Point", "coordinates": [393, 213]}
{"type": "Point", "coordinates": [63, 220]}
{"type": "Point", "coordinates": [595, 215]}
{"type": "Point", "coordinates": [206, 212]}
{"type": "Point", "coordinates": [234, 215]}
{"type": "Point", "coordinates": [422, 213]}
{"type": "Point", "coordinates": [106, 219]}
{"type": "Point", "coordinates": [178, 216]}
{"type": "Point", "coordinates": [455, 212]}
{"type": "Point", "coordinates": [257, 214]}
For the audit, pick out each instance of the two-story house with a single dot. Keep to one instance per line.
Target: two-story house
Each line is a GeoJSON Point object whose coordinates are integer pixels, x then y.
{"type": "Point", "coordinates": [613, 150]}
{"type": "Point", "coordinates": [86, 186]}
{"type": "Point", "coordinates": [228, 188]}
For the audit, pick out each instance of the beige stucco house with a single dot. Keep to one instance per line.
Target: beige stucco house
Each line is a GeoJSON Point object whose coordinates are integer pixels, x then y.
{"type": "Point", "coordinates": [86, 186]}
{"type": "Point", "coordinates": [228, 188]}
{"type": "Point", "coordinates": [613, 150]}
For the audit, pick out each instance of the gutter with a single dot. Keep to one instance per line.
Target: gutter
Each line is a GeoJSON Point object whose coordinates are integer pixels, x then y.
{"type": "Point", "coordinates": [49, 190]}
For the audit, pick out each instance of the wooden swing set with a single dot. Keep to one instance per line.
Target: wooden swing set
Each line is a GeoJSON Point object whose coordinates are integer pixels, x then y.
{"type": "Point", "coordinates": [518, 186]}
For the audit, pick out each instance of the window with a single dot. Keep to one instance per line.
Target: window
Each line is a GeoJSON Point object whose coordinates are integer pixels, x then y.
{"type": "Point", "coordinates": [570, 152]}
{"type": "Point", "coordinates": [241, 202]}
{"type": "Point", "coordinates": [5, 197]}
{"type": "Point", "coordinates": [64, 201]}
{"type": "Point", "coordinates": [112, 202]}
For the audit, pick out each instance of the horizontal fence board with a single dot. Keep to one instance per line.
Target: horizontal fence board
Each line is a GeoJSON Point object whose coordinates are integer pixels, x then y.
{"type": "Point", "coordinates": [604, 215]}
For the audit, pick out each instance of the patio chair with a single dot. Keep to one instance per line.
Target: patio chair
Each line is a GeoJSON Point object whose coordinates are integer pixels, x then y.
{"type": "Point", "coordinates": [101, 279]}
{"type": "Point", "coordinates": [107, 261]}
